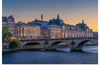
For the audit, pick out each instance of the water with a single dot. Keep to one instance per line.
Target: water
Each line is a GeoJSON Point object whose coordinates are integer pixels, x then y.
{"type": "Point", "coordinates": [64, 49]}
{"type": "Point", "coordinates": [91, 49]}
{"type": "Point", "coordinates": [52, 57]}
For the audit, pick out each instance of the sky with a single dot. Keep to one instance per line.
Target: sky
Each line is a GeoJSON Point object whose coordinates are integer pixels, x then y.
{"type": "Point", "coordinates": [70, 11]}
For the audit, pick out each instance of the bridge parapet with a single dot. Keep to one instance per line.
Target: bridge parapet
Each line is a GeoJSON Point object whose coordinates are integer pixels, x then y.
{"type": "Point", "coordinates": [55, 39]}
{"type": "Point", "coordinates": [45, 43]}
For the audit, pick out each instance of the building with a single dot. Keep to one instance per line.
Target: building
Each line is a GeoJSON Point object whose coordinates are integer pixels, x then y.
{"type": "Point", "coordinates": [85, 28]}
{"type": "Point", "coordinates": [73, 31]}
{"type": "Point", "coordinates": [38, 22]}
{"type": "Point", "coordinates": [56, 21]}
{"type": "Point", "coordinates": [54, 28]}
{"type": "Point", "coordinates": [54, 31]}
{"type": "Point", "coordinates": [26, 31]}
{"type": "Point", "coordinates": [10, 22]}
{"type": "Point", "coordinates": [4, 20]}
{"type": "Point", "coordinates": [95, 34]}
{"type": "Point", "coordinates": [51, 31]}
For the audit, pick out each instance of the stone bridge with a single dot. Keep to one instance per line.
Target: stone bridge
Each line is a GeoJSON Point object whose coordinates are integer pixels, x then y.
{"type": "Point", "coordinates": [52, 44]}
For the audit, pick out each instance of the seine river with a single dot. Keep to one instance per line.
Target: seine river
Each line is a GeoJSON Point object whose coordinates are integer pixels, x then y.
{"type": "Point", "coordinates": [90, 56]}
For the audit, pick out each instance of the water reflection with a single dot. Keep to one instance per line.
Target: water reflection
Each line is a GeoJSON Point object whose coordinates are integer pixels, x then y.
{"type": "Point", "coordinates": [64, 49]}
{"type": "Point", "coordinates": [92, 49]}
{"type": "Point", "coordinates": [52, 57]}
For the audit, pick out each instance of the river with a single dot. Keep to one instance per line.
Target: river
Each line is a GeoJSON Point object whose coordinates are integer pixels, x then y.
{"type": "Point", "coordinates": [90, 56]}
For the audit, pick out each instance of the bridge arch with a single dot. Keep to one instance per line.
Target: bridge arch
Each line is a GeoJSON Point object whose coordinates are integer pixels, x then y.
{"type": "Point", "coordinates": [56, 43]}
{"type": "Point", "coordinates": [32, 45]}
{"type": "Point", "coordinates": [80, 45]}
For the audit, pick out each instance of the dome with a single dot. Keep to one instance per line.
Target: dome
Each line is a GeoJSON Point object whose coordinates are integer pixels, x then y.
{"type": "Point", "coordinates": [11, 17]}
{"type": "Point", "coordinates": [82, 25]}
{"type": "Point", "coordinates": [56, 21]}
{"type": "Point", "coordinates": [4, 19]}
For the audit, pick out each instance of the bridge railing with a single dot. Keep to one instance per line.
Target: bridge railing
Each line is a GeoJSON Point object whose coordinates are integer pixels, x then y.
{"type": "Point", "coordinates": [56, 39]}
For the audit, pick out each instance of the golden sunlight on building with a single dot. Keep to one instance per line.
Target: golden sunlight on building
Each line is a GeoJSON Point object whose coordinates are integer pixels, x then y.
{"type": "Point", "coordinates": [27, 32]}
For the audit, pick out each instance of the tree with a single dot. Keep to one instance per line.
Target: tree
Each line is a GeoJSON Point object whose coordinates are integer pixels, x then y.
{"type": "Point", "coordinates": [14, 44]}
{"type": "Point", "coordinates": [6, 34]}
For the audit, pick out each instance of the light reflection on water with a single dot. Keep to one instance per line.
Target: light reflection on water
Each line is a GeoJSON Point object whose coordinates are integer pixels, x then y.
{"type": "Point", "coordinates": [52, 57]}
{"type": "Point", "coordinates": [64, 49]}
{"type": "Point", "coordinates": [92, 49]}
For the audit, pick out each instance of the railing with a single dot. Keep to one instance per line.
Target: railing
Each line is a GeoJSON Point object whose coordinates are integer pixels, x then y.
{"type": "Point", "coordinates": [56, 39]}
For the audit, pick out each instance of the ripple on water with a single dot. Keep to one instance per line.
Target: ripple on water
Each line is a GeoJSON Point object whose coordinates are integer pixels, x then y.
{"type": "Point", "coordinates": [90, 49]}
{"type": "Point", "coordinates": [49, 57]}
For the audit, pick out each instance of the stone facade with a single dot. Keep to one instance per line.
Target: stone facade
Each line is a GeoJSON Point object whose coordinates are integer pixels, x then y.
{"type": "Point", "coordinates": [74, 32]}
{"type": "Point", "coordinates": [26, 31]}
{"type": "Point", "coordinates": [55, 28]}
{"type": "Point", "coordinates": [52, 31]}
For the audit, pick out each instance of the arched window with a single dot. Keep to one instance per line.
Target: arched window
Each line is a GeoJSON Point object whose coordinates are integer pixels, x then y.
{"type": "Point", "coordinates": [70, 28]}
{"type": "Point", "coordinates": [70, 35]}
{"type": "Point", "coordinates": [73, 35]}
{"type": "Point", "coordinates": [66, 35]}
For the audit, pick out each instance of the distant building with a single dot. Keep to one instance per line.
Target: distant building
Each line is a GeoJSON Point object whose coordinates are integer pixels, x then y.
{"type": "Point", "coordinates": [4, 20]}
{"type": "Point", "coordinates": [95, 34]}
{"type": "Point", "coordinates": [84, 27]}
{"type": "Point", "coordinates": [52, 31]}
{"type": "Point", "coordinates": [10, 22]}
{"type": "Point", "coordinates": [80, 30]}
{"type": "Point", "coordinates": [38, 22]}
{"type": "Point", "coordinates": [73, 31]}
{"type": "Point", "coordinates": [56, 21]}
{"type": "Point", "coordinates": [55, 28]}
{"type": "Point", "coordinates": [26, 31]}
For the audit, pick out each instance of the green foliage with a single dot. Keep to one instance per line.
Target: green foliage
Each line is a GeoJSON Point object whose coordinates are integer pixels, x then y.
{"type": "Point", "coordinates": [6, 34]}
{"type": "Point", "coordinates": [14, 44]}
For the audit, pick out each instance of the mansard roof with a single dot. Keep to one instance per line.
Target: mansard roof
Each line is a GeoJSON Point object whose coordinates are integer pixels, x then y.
{"type": "Point", "coordinates": [82, 25]}
{"type": "Point", "coordinates": [68, 25]}
{"type": "Point", "coordinates": [11, 18]}
{"type": "Point", "coordinates": [20, 23]}
{"type": "Point", "coordinates": [4, 19]}
{"type": "Point", "coordinates": [56, 21]}
{"type": "Point", "coordinates": [39, 21]}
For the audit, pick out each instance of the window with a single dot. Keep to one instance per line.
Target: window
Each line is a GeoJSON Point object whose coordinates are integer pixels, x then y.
{"type": "Point", "coordinates": [70, 28]}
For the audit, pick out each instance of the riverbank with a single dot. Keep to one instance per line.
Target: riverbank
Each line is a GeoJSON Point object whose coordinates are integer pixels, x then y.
{"type": "Point", "coordinates": [13, 50]}
{"type": "Point", "coordinates": [9, 50]}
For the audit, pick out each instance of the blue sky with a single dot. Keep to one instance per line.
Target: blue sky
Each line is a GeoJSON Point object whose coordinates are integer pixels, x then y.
{"type": "Point", "coordinates": [71, 11]}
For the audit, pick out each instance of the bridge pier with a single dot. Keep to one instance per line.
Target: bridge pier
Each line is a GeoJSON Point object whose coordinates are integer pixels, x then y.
{"type": "Point", "coordinates": [76, 49]}
{"type": "Point", "coordinates": [50, 49]}
{"type": "Point", "coordinates": [46, 45]}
